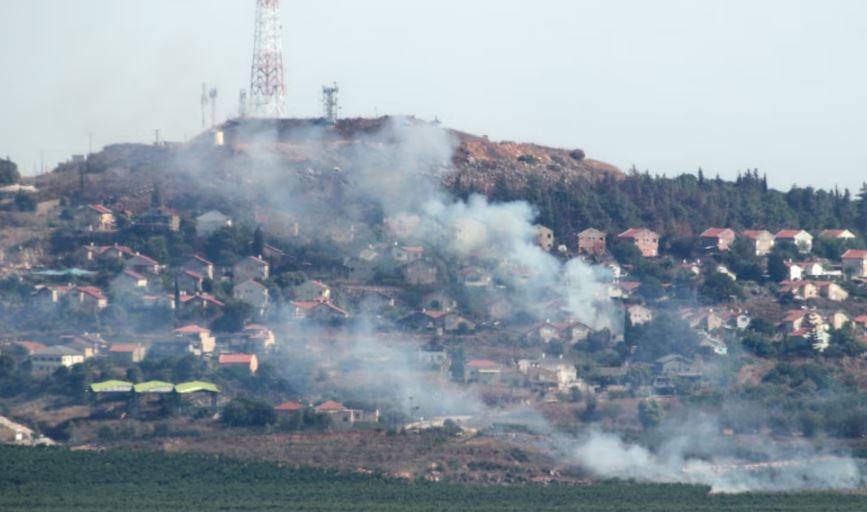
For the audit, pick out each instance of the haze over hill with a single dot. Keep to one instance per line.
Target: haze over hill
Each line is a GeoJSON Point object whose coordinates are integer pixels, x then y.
{"type": "Point", "coordinates": [669, 86]}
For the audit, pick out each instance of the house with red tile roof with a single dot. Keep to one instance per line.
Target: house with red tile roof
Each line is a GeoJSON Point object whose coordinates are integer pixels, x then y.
{"type": "Point", "coordinates": [762, 240]}
{"type": "Point", "coordinates": [482, 371]}
{"type": "Point", "coordinates": [239, 362]}
{"type": "Point", "coordinates": [202, 338]}
{"type": "Point", "coordinates": [800, 238]}
{"type": "Point", "coordinates": [802, 290]}
{"type": "Point", "coordinates": [832, 291]}
{"type": "Point", "coordinates": [290, 407]}
{"type": "Point", "coordinates": [143, 264]}
{"type": "Point", "coordinates": [311, 290]}
{"type": "Point", "coordinates": [126, 354]}
{"type": "Point", "coordinates": [646, 240]}
{"type": "Point", "coordinates": [251, 267]}
{"type": "Point", "coordinates": [855, 263]}
{"type": "Point", "coordinates": [719, 239]}
{"type": "Point", "coordinates": [130, 281]}
{"type": "Point", "coordinates": [190, 282]}
{"type": "Point", "coordinates": [29, 346]}
{"type": "Point", "coordinates": [254, 293]}
{"type": "Point", "coordinates": [96, 217]}
{"type": "Point", "coordinates": [86, 297]}
{"type": "Point", "coordinates": [201, 303]}
{"type": "Point", "coordinates": [200, 265]}
{"type": "Point", "coordinates": [290, 412]}
{"type": "Point", "coordinates": [319, 310]}
{"type": "Point", "coordinates": [442, 320]}
{"type": "Point", "coordinates": [794, 319]}
{"type": "Point", "coordinates": [592, 241]}
{"type": "Point", "coordinates": [94, 252]}
{"type": "Point", "coordinates": [407, 253]}
{"type": "Point", "coordinates": [837, 234]}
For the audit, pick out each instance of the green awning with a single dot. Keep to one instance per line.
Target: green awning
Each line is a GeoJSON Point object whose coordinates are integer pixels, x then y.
{"type": "Point", "coordinates": [197, 387]}
{"type": "Point", "coordinates": [111, 386]}
{"type": "Point", "coordinates": [154, 386]}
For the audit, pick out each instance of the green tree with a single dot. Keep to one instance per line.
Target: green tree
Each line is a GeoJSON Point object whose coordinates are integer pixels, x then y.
{"type": "Point", "coordinates": [718, 288]}
{"type": "Point", "coordinates": [242, 412]}
{"type": "Point", "coordinates": [650, 414]}
{"type": "Point", "coordinates": [234, 317]}
{"type": "Point", "coordinates": [625, 252]}
{"type": "Point", "coordinates": [665, 334]}
{"type": "Point", "coordinates": [777, 269]}
{"type": "Point", "coordinates": [258, 244]}
{"type": "Point", "coordinates": [8, 172]}
{"type": "Point", "coordinates": [24, 202]}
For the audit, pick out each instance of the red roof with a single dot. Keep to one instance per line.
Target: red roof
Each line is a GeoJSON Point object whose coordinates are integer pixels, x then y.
{"type": "Point", "coordinates": [258, 260]}
{"type": "Point", "coordinates": [630, 285]}
{"type": "Point", "coordinates": [119, 248]}
{"type": "Point", "coordinates": [123, 348]}
{"type": "Point", "coordinates": [861, 319]}
{"type": "Point", "coordinates": [99, 208]}
{"type": "Point", "coordinates": [855, 254]}
{"type": "Point", "coordinates": [194, 275]}
{"type": "Point", "coordinates": [30, 346]}
{"type": "Point", "coordinates": [800, 333]}
{"type": "Point", "coordinates": [753, 234]}
{"type": "Point", "coordinates": [833, 233]}
{"type": "Point", "coordinates": [412, 248]}
{"type": "Point", "coordinates": [236, 358]}
{"type": "Point", "coordinates": [147, 259]}
{"type": "Point", "coordinates": [192, 329]}
{"type": "Point", "coordinates": [202, 260]}
{"type": "Point", "coordinates": [305, 304]}
{"type": "Point", "coordinates": [320, 284]}
{"type": "Point", "coordinates": [206, 297]}
{"type": "Point", "coordinates": [92, 291]}
{"type": "Point", "coordinates": [714, 232]}
{"type": "Point", "coordinates": [789, 233]}
{"type": "Point", "coordinates": [432, 313]}
{"type": "Point", "coordinates": [482, 363]}
{"type": "Point", "coordinates": [134, 274]}
{"type": "Point", "coordinates": [331, 405]}
{"type": "Point", "coordinates": [795, 314]}
{"type": "Point", "coordinates": [290, 407]}
{"type": "Point", "coordinates": [634, 232]}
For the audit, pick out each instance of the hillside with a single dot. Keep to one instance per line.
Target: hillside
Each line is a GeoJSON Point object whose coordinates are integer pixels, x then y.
{"type": "Point", "coordinates": [298, 152]}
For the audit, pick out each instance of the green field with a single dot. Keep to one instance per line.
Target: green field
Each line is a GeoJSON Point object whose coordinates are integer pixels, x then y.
{"type": "Point", "coordinates": [41, 479]}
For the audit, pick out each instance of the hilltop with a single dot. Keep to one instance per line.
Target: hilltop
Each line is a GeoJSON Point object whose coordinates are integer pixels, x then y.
{"type": "Point", "coordinates": [307, 152]}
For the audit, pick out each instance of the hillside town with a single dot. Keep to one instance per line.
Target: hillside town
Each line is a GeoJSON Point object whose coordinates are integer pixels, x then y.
{"type": "Point", "coordinates": [163, 312]}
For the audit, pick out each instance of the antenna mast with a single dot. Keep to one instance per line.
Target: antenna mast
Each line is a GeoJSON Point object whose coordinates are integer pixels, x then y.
{"type": "Point", "coordinates": [213, 97]}
{"type": "Point", "coordinates": [267, 86]}
{"type": "Point", "coordinates": [329, 103]}
{"type": "Point", "coordinates": [204, 101]}
{"type": "Point", "coordinates": [242, 104]}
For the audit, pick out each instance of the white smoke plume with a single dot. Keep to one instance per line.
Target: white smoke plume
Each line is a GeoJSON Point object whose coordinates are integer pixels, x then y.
{"type": "Point", "coordinates": [399, 168]}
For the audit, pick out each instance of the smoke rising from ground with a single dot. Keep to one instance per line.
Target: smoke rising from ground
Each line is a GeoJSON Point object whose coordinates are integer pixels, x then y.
{"type": "Point", "coordinates": [399, 169]}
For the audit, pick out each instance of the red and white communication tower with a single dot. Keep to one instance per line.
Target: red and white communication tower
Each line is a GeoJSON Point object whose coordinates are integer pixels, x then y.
{"type": "Point", "coordinates": [267, 86]}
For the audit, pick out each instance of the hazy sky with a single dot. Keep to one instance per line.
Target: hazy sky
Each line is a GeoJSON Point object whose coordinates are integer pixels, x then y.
{"type": "Point", "coordinates": [666, 85]}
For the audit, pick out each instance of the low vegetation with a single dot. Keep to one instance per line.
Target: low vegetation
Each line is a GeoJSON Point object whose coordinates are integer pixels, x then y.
{"type": "Point", "coordinates": [46, 480]}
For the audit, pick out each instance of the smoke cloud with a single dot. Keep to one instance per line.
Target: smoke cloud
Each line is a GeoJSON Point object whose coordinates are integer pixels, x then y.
{"type": "Point", "coordinates": [398, 169]}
